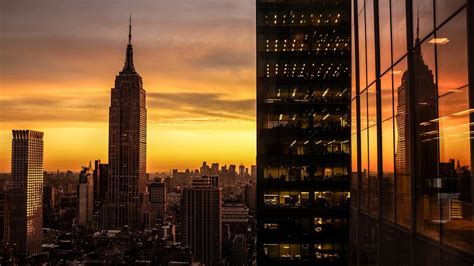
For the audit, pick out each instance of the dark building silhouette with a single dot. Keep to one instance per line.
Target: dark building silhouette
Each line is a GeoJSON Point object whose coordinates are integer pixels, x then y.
{"type": "Point", "coordinates": [201, 219]}
{"type": "Point", "coordinates": [157, 191]}
{"type": "Point", "coordinates": [412, 148]}
{"type": "Point", "coordinates": [100, 177]}
{"type": "Point", "coordinates": [26, 192]}
{"type": "Point", "coordinates": [3, 214]}
{"type": "Point", "coordinates": [126, 197]}
{"type": "Point", "coordinates": [85, 195]}
{"type": "Point", "coordinates": [303, 162]}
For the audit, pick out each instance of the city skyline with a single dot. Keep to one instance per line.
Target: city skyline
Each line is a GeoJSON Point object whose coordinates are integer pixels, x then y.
{"type": "Point", "coordinates": [209, 113]}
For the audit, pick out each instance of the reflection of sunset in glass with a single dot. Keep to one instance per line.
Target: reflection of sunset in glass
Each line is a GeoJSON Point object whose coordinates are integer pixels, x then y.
{"type": "Point", "coordinates": [200, 80]}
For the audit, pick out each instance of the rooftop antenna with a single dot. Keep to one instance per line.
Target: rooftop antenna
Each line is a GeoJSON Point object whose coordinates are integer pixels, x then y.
{"type": "Point", "coordinates": [130, 30]}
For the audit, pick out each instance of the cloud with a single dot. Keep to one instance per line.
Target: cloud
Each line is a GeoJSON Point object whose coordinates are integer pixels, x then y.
{"type": "Point", "coordinates": [201, 106]}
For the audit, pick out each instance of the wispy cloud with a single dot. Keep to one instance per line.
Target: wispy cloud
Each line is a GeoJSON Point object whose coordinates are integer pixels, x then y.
{"type": "Point", "coordinates": [202, 106]}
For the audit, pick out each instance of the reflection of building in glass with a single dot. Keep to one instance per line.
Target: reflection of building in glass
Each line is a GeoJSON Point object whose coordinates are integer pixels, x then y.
{"type": "Point", "coordinates": [126, 196]}
{"type": "Point", "coordinates": [26, 192]}
{"type": "Point", "coordinates": [421, 142]}
{"type": "Point", "coordinates": [303, 96]}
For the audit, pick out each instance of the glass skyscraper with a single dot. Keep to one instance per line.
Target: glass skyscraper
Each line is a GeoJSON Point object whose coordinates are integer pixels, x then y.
{"type": "Point", "coordinates": [412, 132]}
{"type": "Point", "coordinates": [303, 131]}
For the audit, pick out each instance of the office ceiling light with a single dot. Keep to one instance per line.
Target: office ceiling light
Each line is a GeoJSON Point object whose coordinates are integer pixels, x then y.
{"type": "Point", "coordinates": [439, 41]}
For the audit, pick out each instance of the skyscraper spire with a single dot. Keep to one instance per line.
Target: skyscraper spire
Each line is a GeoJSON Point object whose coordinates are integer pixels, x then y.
{"type": "Point", "coordinates": [128, 66]}
{"type": "Point", "coordinates": [130, 30]}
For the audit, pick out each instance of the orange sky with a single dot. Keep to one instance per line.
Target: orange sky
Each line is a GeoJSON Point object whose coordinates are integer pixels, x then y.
{"type": "Point", "coordinates": [58, 61]}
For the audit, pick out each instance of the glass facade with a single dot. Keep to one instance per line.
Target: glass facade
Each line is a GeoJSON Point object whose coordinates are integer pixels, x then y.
{"type": "Point", "coordinates": [26, 192]}
{"type": "Point", "coordinates": [412, 132]}
{"type": "Point", "coordinates": [303, 131]}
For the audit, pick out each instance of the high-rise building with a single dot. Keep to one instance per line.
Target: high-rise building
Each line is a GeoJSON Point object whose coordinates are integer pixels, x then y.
{"type": "Point", "coordinates": [100, 176]}
{"type": "Point", "coordinates": [250, 196]}
{"type": "Point", "coordinates": [49, 200]}
{"type": "Point", "coordinates": [235, 218]}
{"type": "Point", "coordinates": [241, 170]}
{"type": "Point", "coordinates": [26, 192]}
{"type": "Point", "coordinates": [85, 195]}
{"type": "Point", "coordinates": [303, 131]}
{"type": "Point", "coordinates": [126, 197]}
{"type": "Point", "coordinates": [253, 171]}
{"type": "Point", "coordinates": [412, 130]}
{"type": "Point", "coordinates": [157, 192]}
{"type": "Point", "coordinates": [215, 168]}
{"type": "Point", "coordinates": [201, 219]}
{"type": "Point", "coordinates": [239, 251]}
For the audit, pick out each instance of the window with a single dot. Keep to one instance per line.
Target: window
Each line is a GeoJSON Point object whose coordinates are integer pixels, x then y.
{"type": "Point", "coordinates": [388, 178]}
{"type": "Point", "coordinates": [399, 41]}
{"type": "Point", "coordinates": [384, 35]}
{"type": "Point", "coordinates": [423, 22]}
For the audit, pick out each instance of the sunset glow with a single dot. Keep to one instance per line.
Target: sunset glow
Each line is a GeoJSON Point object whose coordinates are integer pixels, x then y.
{"type": "Point", "coordinates": [197, 61]}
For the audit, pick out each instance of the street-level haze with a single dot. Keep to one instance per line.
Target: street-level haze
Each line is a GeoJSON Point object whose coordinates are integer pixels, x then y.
{"type": "Point", "coordinates": [59, 58]}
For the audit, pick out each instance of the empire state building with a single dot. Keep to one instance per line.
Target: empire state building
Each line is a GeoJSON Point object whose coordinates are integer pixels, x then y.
{"type": "Point", "coordinates": [126, 196]}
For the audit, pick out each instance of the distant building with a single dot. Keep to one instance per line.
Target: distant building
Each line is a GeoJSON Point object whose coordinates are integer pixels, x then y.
{"type": "Point", "coordinates": [201, 219]}
{"type": "Point", "coordinates": [85, 193]}
{"type": "Point", "coordinates": [3, 214]}
{"type": "Point", "coordinates": [214, 169]}
{"type": "Point", "coordinates": [100, 175]}
{"type": "Point", "coordinates": [48, 205]}
{"type": "Point", "coordinates": [250, 195]}
{"type": "Point", "coordinates": [232, 170]}
{"type": "Point", "coordinates": [26, 191]}
{"type": "Point", "coordinates": [253, 171]}
{"type": "Point", "coordinates": [241, 170]}
{"type": "Point", "coordinates": [235, 217]}
{"type": "Point", "coordinates": [239, 250]}
{"type": "Point", "coordinates": [169, 183]}
{"type": "Point", "coordinates": [157, 192]}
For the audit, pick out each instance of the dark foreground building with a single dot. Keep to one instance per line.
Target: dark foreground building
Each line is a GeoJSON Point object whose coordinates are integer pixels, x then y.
{"type": "Point", "coordinates": [412, 133]}
{"type": "Point", "coordinates": [126, 197]}
{"type": "Point", "coordinates": [303, 134]}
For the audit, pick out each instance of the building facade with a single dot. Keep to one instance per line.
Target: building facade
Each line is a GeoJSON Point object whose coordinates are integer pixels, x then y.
{"type": "Point", "coordinates": [126, 197]}
{"type": "Point", "coordinates": [412, 132]}
{"type": "Point", "coordinates": [303, 134]}
{"type": "Point", "coordinates": [157, 192]}
{"type": "Point", "coordinates": [85, 194]}
{"type": "Point", "coordinates": [201, 219]}
{"type": "Point", "coordinates": [26, 192]}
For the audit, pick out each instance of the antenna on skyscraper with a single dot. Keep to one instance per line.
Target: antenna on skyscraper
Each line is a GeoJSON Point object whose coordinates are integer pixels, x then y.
{"type": "Point", "coordinates": [130, 29]}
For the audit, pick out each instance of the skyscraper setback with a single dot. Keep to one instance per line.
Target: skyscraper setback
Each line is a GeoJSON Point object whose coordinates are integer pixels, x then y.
{"type": "Point", "coordinates": [126, 197]}
{"type": "Point", "coordinates": [303, 119]}
{"type": "Point", "coordinates": [26, 192]}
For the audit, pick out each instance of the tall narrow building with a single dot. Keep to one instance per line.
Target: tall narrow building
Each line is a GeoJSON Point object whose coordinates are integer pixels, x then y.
{"type": "Point", "coordinates": [26, 192]}
{"type": "Point", "coordinates": [201, 219]}
{"type": "Point", "coordinates": [303, 131]}
{"type": "Point", "coordinates": [126, 197]}
{"type": "Point", "coordinates": [85, 193]}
